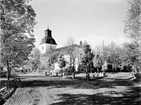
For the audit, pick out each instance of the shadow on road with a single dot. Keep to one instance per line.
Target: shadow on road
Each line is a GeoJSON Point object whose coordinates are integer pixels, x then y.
{"type": "Point", "coordinates": [130, 97]}
{"type": "Point", "coordinates": [75, 83]}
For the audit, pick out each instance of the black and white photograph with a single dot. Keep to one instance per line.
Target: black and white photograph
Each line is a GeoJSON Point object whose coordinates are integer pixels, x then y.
{"type": "Point", "coordinates": [70, 52]}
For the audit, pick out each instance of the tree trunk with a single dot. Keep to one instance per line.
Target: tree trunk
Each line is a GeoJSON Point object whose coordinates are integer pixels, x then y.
{"type": "Point", "coordinates": [63, 72]}
{"type": "Point", "coordinates": [87, 74]}
{"type": "Point", "coordinates": [135, 73]}
{"type": "Point", "coordinates": [0, 48]}
{"type": "Point", "coordinates": [73, 72]}
{"type": "Point", "coordinates": [97, 72]}
{"type": "Point", "coordinates": [46, 74]}
{"type": "Point", "coordinates": [104, 73]}
{"type": "Point", "coordinates": [8, 71]}
{"type": "Point", "coordinates": [57, 74]}
{"type": "Point", "coordinates": [103, 68]}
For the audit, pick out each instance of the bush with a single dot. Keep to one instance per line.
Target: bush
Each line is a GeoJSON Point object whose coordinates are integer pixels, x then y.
{"type": "Point", "coordinates": [69, 70]}
{"type": "Point", "coordinates": [3, 74]}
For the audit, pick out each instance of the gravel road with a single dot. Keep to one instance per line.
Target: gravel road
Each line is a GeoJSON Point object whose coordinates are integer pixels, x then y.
{"type": "Point", "coordinates": [115, 89]}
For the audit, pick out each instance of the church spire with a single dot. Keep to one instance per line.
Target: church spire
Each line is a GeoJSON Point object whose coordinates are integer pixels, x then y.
{"type": "Point", "coordinates": [48, 33]}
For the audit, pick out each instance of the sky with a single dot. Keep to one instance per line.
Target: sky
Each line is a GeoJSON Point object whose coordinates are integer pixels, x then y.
{"type": "Point", "coordinates": [94, 21]}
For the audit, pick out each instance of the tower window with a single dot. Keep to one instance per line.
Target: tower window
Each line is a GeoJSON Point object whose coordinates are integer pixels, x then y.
{"type": "Point", "coordinates": [43, 48]}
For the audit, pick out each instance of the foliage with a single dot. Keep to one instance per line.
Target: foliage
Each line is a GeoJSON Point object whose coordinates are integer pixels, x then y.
{"type": "Point", "coordinates": [118, 56]}
{"type": "Point", "coordinates": [114, 52]}
{"type": "Point", "coordinates": [51, 60]}
{"type": "Point", "coordinates": [133, 20]}
{"type": "Point", "coordinates": [17, 20]}
{"type": "Point", "coordinates": [97, 61]}
{"type": "Point", "coordinates": [110, 54]}
{"type": "Point", "coordinates": [129, 54]}
{"type": "Point", "coordinates": [34, 59]}
{"type": "Point", "coordinates": [71, 52]}
{"type": "Point", "coordinates": [87, 58]}
{"type": "Point", "coordinates": [61, 61]}
{"type": "Point", "coordinates": [133, 29]}
{"type": "Point", "coordinates": [47, 60]}
{"type": "Point", "coordinates": [88, 54]}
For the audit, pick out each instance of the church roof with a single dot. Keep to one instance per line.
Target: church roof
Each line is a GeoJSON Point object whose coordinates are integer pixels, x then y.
{"type": "Point", "coordinates": [48, 38]}
{"type": "Point", "coordinates": [65, 50]}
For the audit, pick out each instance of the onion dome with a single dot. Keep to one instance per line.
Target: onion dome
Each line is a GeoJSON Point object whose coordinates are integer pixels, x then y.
{"type": "Point", "coordinates": [48, 38]}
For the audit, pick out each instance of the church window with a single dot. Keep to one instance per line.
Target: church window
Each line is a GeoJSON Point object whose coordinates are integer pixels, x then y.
{"type": "Point", "coordinates": [42, 47]}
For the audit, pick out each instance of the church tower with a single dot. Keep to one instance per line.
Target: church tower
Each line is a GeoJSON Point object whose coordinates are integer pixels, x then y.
{"type": "Point", "coordinates": [47, 43]}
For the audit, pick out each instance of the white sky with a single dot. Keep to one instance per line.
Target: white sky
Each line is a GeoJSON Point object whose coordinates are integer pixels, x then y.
{"type": "Point", "coordinates": [90, 20]}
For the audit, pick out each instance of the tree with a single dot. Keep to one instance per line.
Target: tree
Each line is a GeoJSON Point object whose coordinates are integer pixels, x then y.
{"type": "Point", "coordinates": [110, 54]}
{"type": "Point", "coordinates": [52, 58]}
{"type": "Point", "coordinates": [113, 55]}
{"type": "Point", "coordinates": [128, 54]}
{"type": "Point", "coordinates": [61, 62]}
{"type": "Point", "coordinates": [17, 20]}
{"type": "Point", "coordinates": [129, 57]}
{"type": "Point", "coordinates": [133, 28]}
{"type": "Point", "coordinates": [97, 63]}
{"type": "Point", "coordinates": [34, 59]}
{"type": "Point", "coordinates": [87, 58]}
{"type": "Point", "coordinates": [71, 52]}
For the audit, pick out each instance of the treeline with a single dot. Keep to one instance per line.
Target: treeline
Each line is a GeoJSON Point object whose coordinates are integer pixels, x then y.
{"type": "Point", "coordinates": [112, 58]}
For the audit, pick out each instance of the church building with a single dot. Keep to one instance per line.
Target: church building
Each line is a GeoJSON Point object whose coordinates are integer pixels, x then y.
{"type": "Point", "coordinates": [48, 48]}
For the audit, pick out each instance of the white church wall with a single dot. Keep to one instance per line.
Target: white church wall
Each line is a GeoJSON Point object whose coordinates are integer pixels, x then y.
{"type": "Point", "coordinates": [49, 47]}
{"type": "Point", "coordinates": [46, 47]}
{"type": "Point", "coordinates": [42, 48]}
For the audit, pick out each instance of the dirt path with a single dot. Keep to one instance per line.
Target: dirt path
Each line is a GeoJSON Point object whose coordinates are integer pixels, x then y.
{"type": "Point", "coordinates": [115, 89]}
{"type": "Point", "coordinates": [25, 96]}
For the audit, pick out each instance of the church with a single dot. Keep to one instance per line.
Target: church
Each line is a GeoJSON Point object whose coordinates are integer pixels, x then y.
{"type": "Point", "coordinates": [47, 43]}
{"type": "Point", "coordinates": [48, 48]}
